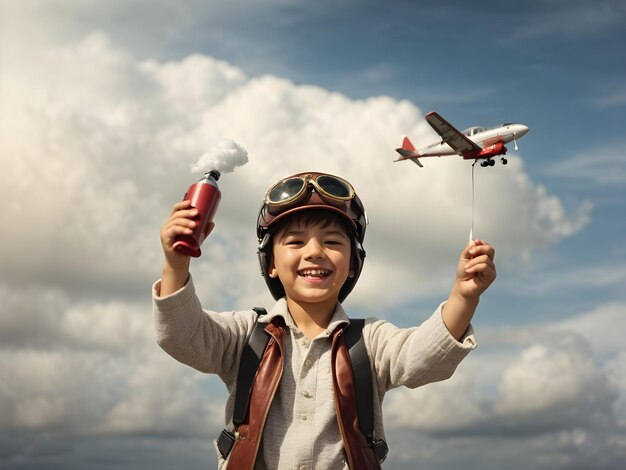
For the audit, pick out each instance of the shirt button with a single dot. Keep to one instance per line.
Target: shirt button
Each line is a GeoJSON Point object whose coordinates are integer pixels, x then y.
{"type": "Point", "coordinates": [303, 417]}
{"type": "Point", "coordinates": [306, 394]}
{"type": "Point", "coordinates": [302, 467]}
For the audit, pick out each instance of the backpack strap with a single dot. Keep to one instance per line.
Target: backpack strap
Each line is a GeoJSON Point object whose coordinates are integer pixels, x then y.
{"type": "Point", "coordinates": [248, 365]}
{"type": "Point", "coordinates": [363, 385]}
{"type": "Point", "coordinates": [251, 358]}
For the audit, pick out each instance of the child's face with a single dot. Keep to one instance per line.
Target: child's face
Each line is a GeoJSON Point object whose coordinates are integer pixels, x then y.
{"type": "Point", "coordinates": [312, 261]}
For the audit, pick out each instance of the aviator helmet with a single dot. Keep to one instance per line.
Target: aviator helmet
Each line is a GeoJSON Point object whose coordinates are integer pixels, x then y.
{"type": "Point", "coordinates": [305, 191]}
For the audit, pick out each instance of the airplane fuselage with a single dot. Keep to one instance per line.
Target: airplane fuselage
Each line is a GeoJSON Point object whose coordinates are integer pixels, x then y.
{"type": "Point", "coordinates": [486, 138]}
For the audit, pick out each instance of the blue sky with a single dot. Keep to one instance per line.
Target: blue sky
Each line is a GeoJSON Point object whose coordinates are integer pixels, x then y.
{"type": "Point", "coordinates": [105, 107]}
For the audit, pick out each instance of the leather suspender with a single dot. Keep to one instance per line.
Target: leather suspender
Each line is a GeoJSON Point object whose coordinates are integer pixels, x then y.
{"type": "Point", "coordinates": [251, 358]}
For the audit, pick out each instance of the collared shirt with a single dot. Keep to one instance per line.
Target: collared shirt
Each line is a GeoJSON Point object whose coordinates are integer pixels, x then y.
{"type": "Point", "coordinates": [301, 430]}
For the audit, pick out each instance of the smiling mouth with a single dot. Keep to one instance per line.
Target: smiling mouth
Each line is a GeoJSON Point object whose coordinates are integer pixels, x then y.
{"type": "Point", "coordinates": [314, 273]}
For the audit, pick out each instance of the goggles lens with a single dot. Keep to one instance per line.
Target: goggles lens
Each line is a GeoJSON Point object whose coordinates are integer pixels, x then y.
{"type": "Point", "coordinates": [334, 187]}
{"type": "Point", "coordinates": [291, 189]}
{"type": "Point", "coordinates": [285, 191]}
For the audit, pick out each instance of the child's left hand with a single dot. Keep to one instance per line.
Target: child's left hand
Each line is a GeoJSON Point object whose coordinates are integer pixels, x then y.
{"type": "Point", "coordinates": [476, 270]}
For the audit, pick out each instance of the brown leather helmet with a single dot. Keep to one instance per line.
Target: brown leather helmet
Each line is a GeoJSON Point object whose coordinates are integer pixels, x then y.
{"type": "Point", "coordinates": [306, 191]}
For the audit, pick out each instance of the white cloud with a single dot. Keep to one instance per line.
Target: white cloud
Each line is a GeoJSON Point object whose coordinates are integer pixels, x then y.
{"type": "Point", "coordinates": [552, 385]}
{"type": "Point", "coordinates": [616, 370]}
{"type": "Point", "coordinates": [555, 385]}
{"type": "Point", "coordinates": [556, 389]}
{"type": "Point", "coordinates": [99, 393]}
{"type": "Point", "coordinates": [444, 407]}
{"type": "Point", "coordinates": [604, 168]}
{"type": "Point", "coordinates": [96, 153]}
{"type": "Point", "coordinates": [96, 144]}
{"type": "Point", "coordinates": [113, 137]}
{"type": "Point", "coordinates": [163, 398]}
{"type": "Point", "coordinates": [114, 326]}
{"type": "Point", "coordinates": [48, 319]}
{"type": "Point", "coordinates": [602, 327]}
{"type": "Point", "coordinates": [548, 394]}
{"type": "Point", "coordinates": [573, 18]}
{"type": "Point", "coordinates": [54, 390]}
{"type": "Point", "coordinates": [614, 97]}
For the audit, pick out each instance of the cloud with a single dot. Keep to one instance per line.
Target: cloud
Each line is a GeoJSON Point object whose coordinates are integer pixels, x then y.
{"type": "Point", "coordinates": [605, 168]}
{"type": "Point", "coordinates": [95, 154]}
{"type": "Point", "coordinates": [54, 390]}
{"type": "Point", "coordinates": [549, 393]}
{"type": "Point", "coordinates": [112, 168]}
{"type": "Point", "coordinates": [582, 280]}
{"type": "Point", "coordinates": [601, 327]}
{"type": "Point", "coordinates": [615, 97]}
{"type": "Point", "coordinates": [33, 317]}
{"type": "Point", "coordinates": [90, 392]}
{"type": "Point", "coordinates": [571, 18]}
{"type": "Point", "coordinates": [553, 384]}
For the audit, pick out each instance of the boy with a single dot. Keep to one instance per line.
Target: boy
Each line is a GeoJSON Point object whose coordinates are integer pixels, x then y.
{"type": "Point", "coordinates": [301, 414]}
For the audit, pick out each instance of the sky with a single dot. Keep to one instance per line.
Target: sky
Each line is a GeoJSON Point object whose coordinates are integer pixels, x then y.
{"type": "Point", "coordinates": [105, 109]}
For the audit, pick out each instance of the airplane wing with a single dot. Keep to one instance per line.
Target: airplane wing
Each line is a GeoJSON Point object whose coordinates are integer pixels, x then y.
{"type": "Point", "coordinates": [451, 136]}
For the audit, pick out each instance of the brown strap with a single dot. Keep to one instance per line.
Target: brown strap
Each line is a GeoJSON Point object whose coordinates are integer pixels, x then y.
{"type": "Point", "coordinates": [360, 455]}
{"type": "Point", "coordinates": [249, 433]}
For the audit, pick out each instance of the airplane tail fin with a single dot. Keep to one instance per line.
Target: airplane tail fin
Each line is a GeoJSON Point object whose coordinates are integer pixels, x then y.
{"type": "Point", "coordinates": [408, 152]}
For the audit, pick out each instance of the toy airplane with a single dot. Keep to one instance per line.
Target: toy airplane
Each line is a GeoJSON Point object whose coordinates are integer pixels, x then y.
{"type": "Point", "coordinates": [471, 144]}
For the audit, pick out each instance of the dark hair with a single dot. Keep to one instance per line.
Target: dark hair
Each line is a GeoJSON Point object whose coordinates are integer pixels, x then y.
{"type": "Point", "coordinates": [313, 217]}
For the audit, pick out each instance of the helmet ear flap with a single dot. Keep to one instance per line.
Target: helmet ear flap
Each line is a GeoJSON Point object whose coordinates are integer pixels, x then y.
{"type": "Point", "coordinates": [264, 253]}
{"type": "Point", "coordinates": [356, 265]}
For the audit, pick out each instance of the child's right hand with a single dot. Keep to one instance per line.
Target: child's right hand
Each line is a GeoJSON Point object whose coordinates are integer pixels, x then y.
{"type": "Point", "coordinates": [180, 222]}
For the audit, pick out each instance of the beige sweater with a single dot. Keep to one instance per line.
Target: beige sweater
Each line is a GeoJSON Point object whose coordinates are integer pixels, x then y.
{"type": "Point", "coordinates": [301, 430]}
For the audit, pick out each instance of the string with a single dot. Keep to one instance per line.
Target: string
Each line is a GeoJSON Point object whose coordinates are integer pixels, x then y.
{"type": "Point", "coordinates": [471, 234]}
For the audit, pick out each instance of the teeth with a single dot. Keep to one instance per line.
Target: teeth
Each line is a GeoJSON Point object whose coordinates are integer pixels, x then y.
{"type": "Point", "coordinates": [315, 272]}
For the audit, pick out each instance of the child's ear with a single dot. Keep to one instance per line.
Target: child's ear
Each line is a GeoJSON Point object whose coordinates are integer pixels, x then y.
{"type": "Point", "coordinates": [271, 272]}
{"type": "Point", "coordinates": [352, 266]}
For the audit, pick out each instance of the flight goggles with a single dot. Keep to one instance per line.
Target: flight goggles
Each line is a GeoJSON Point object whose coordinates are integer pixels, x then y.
{"type": "Point", "coordinates": [295, 189]}
{"type": "Point", "coordinates": [312, 190]}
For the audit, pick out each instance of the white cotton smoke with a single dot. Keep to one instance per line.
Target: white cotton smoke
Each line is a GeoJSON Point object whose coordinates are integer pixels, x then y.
{"type": "Point", "coordinates": [224, 156]}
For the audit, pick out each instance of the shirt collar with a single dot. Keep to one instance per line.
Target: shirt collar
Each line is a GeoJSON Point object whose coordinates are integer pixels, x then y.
{"type": "Point", "coordinates": [280, 310]}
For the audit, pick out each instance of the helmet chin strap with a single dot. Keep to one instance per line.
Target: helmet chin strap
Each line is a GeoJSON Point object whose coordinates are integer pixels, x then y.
{"type": "Point", "coordinates": [264, 241]}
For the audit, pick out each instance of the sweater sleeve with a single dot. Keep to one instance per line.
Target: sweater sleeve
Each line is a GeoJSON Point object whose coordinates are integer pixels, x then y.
{"type": "Point", "coordinates": [416, 356]}
{"type": "Point", "coordinates": [210, 342]}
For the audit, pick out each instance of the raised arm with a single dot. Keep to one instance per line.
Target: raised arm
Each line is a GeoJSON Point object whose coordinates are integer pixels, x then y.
{"type": "Point", "coordinates": [176, 265]}
{"type": "Point", "coordinates": [475, 273]}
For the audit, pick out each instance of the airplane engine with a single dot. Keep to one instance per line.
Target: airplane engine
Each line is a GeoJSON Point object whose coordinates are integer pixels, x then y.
{"type": "Point", "coordinates": [493, 150]}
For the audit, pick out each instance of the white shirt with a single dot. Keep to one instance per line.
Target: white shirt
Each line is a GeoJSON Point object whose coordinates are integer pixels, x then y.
{"type": "Point", "coordinates": [301, 430]}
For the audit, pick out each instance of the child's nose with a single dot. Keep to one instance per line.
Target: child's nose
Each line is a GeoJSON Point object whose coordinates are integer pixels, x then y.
{"type": "Point", "coordinates": [314, 249]}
